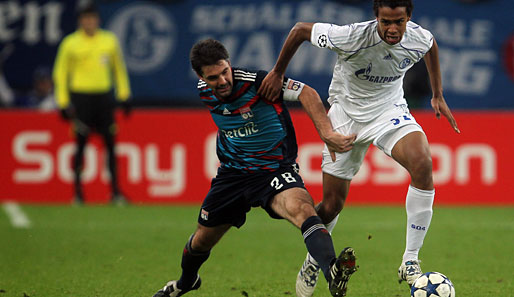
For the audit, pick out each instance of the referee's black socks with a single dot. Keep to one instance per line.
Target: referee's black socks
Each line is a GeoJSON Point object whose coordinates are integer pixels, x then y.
{"type": "Point", "coordinates": [319, 243]}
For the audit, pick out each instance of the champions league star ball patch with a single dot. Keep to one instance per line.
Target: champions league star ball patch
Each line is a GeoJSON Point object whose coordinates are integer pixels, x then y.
{"type": "Point", "coordinates": [322, 40]}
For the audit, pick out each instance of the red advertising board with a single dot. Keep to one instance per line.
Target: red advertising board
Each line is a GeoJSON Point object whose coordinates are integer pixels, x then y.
{"type": "Point", "coordinates": [169, 156]}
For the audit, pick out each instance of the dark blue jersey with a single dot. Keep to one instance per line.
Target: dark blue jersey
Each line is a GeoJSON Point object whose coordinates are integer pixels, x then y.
{"type": "Point", "coordinates": [254, 134]}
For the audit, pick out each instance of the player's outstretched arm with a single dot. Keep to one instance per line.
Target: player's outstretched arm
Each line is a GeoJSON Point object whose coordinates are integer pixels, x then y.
{"type": "Point", "coordinates": [312, 104]}
{"type": "Point", "coordinates": [438, 103]}
{"type": "Point", "coordinates": [272, 83]}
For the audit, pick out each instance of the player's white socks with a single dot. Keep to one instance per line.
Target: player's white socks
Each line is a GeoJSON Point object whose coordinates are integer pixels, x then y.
{"type": "Point", "coordinates": [330, 226]}
{"type": "Point", "coordinates": [418, 205]}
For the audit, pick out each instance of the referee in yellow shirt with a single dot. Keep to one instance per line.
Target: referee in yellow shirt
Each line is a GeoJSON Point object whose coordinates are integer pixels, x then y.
{"type": "Point", "coordinates": [88, 65]}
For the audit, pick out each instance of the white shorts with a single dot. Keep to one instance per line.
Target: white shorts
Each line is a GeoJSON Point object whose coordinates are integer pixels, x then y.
{"type": "Point", "coordinates": [384, 132]}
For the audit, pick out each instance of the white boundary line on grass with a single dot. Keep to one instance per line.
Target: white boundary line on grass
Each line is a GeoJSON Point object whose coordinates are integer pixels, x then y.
{"type": "Point", "coordinates": [16, 215]}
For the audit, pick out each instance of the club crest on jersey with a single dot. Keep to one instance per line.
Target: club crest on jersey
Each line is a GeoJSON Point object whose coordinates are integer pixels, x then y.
{"type": "Point", "coordinates": [296, 168]}
{"type": "Point", "coordinates": [293, 85]}
{"type": "Point", "coordinates": [404, 63]}
{"type": "Point", "coordinates": [204, 215]}
{"type": "Point", "coordinates": [322, 40]}
{"type": "Point", "coordinates": [246, 113]}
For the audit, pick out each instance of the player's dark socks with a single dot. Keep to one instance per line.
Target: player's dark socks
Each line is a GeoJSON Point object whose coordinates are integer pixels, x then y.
{"type": "Point", "coordinates": [191, 262]}
{"type": "Point", "coordinates": [79, 195]}
{"type": "Point", "coordinates": [319, 243]}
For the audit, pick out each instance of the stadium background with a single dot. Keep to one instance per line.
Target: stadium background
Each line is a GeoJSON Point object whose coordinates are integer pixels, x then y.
{"type": "Point", "coordinates": [166, 147]}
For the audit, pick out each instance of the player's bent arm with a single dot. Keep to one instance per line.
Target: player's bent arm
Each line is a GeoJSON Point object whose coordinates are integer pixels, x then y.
{"type": "Point", "coordinates": [271, 85]}
{"type": "Point", "coordinates": [312, 104]}
{"type": "Point", "coordinates": [299, 33]}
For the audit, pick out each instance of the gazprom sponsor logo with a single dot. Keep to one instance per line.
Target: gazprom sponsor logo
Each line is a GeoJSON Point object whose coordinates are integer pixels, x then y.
{"type": "Point", "coordinates": [365, 74]}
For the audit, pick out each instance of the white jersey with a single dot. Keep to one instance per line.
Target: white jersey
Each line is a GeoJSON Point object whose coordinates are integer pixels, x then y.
{"type": "Point", "coordinates": [368, 75]}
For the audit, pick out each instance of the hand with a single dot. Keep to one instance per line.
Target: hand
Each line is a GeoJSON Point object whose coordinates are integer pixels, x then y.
{"type": "Point", "coordinates": [339, 143]}
{"type": "Point", "coordinates": [271, 86]}
{"type": "Point", "coordinates": [440, 107]}
{"type": "Point", "coordinates": [127, 107]}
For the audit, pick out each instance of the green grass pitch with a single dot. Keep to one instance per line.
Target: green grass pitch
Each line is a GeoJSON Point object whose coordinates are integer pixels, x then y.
{"type": "Point", "coordinates": [133, 251]}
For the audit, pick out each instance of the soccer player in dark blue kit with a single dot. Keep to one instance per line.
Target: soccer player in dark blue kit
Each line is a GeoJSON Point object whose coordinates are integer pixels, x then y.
{"type": "Point", "coordinates": [257, 148]}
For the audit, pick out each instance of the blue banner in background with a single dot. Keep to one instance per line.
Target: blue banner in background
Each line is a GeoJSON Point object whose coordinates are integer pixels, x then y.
{"type": "Point", "coordinates": [476, 42]}
{"type": "Point", "coordinates": [30, 32]}
{"type": "Point", "coordinates": [157, 38]}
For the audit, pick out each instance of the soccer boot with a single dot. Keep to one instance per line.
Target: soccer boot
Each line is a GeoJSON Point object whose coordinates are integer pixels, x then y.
{"type": "Point", "coordinates": [119, 200]}
{"type": "Point", "coordinates": [307, 277]}
{"type": "Point", "coordinates": [77, 201]}
{"type": "Point", "coordinates": [171, 289]}
{"type": "Point", "coordinates": [409, 272]}
{"type": "Point", "coordinates": [340, 272]}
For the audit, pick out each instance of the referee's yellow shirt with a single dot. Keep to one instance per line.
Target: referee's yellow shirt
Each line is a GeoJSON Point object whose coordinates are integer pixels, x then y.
{"type": "Point", "coordinates": [89, 64]}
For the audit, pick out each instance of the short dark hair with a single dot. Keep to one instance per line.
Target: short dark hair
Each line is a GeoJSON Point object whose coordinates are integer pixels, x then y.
{"type": "Point", "coordinates": [207, 52]}
{"type": "Point", "coordinates": [86, 7]}
{"type": "Point", "coordinates": [393, 4]}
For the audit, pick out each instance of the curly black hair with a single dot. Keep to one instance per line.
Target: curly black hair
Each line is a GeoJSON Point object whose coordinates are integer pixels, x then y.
{"type": "Point", "coordinates": [393, 4]}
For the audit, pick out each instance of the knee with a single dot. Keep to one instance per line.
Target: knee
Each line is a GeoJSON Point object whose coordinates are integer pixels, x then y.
{"type": "Point", "coordinates": [297, 211]}
{"type": "Point", "coordinates": [421, 171]}
{"type": "Point", "coordinates": [201, 243]}
{"type": "Point", "coordinates": [302, 211]}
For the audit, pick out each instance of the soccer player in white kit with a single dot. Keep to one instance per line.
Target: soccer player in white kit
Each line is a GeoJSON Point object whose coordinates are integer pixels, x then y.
{"type": "Point", "coordinates": [366, 102]}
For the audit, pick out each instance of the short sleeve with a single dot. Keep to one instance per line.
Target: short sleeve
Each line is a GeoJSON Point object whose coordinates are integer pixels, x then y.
{"type": "Point", "coordinates": [419, 39]}
{"type": "Point", "coordinates": [333, 37]}
{"type": "Point", "coordinates": [261, 74]}
{"type": "Point", "coordinates": [320, 35]}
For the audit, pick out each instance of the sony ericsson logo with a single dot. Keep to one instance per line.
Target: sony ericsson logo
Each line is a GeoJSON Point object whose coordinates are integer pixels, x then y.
{"type": "Point", "coordinates": [246, 130]}
{"type": "Point", "coordinates": [404, 63]}
{"type": "Point", "coordinates": [365, 74]}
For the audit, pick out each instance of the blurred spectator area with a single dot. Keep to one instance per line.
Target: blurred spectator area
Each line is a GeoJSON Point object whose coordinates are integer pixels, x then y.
{"type": "Point", "coordinates": [476, 41]}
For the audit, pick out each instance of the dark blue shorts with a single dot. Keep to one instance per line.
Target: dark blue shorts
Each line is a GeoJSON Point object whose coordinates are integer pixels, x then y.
{"type": "Point", "coordinates": [233, 194]}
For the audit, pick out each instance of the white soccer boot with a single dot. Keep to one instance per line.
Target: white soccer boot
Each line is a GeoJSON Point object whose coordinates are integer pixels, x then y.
{"type": "Point", "coordinates": [409, 272]}
{"type": "Point", "coordinates": [307, 277]}
{"type": "Point", "coordinates": [171, 289]}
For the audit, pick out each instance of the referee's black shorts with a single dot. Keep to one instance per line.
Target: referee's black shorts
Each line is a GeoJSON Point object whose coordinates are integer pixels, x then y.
{"type": "Point", "coordinates": [234, 193]}
{"type": "Point", "coordinates": [94, 110]}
